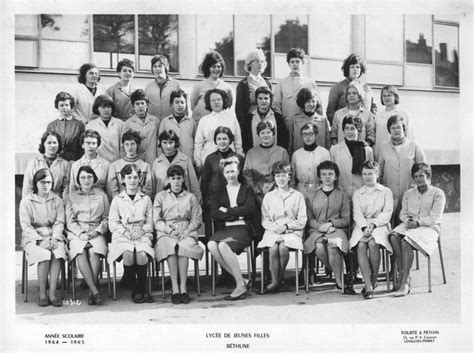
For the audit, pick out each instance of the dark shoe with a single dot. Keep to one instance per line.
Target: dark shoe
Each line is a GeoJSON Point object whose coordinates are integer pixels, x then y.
{"type": "Point", "coordinates": [349, 289]}
{"type": "Point", "coordinates": [249, 285]}
{"type": "Point", "coordinates": [337, 286]}
{"type": "Point", "coordinates": [148, 298]}
{"type": "Point", "coordinates": [369, 295]}
{"type": "Point", "coordinates": [57, 303]}
{"type": "Point", "coordinates": [97, 299]}
{"type": "Point", "coordinates": [176, 298]}
{"type": "Point", "coordinates": [138, 298]}
{"type": "Point", "coordinates": [90, 299]}
{"type": "Point", "coordinates": [184, 298]}
{"type": "Point", "coordinates": [239, 297]}
{"type": "Point", "coordinates": [43, 302]}
{"type": "Point", "coordinates": [274, 289]}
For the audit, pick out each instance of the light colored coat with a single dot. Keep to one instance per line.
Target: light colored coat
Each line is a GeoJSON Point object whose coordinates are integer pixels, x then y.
{"type": "Point", "coordinates": [160, 100]}
{"type": "Point", "coordinates": [322, 139]}
{"type": "Point", "coordinates": [100, 167]}
{"type": "Point", "coordinates": [148, 130]}
{"type": "Point", "coordinates": [60, 169]}
{"type": "Point", "coordinates": [86, 212]}
{"type": "Point", "coordinates": [42, 219]}
{"type": "Point", "coordinates": [126, 217]}
{"type": "Point", "coordinates": [121, 98]}
{"type": "Point", "coordinates": [342, 157]}
{"type": "Point", "coordinates": [368, 125]}
{"type": "Point", "coordinates": [111, 138]}
{"type": "Point", "coordinates": [372, 205]}
{"type": "Point", "coordinates": [198, 105]}
{"type": "Point", "coordinates": [277, 210]}
{"type": "Point", "coordinates": [304, 165]}
{"type": "Point", "coordinates": [185, 129]}
{"type": "Point", "coordinates": [83, 102]}
{"type": "Point", "coordinates": [204, 140]}
{"type": "Point", "coordinates": [114, 180]}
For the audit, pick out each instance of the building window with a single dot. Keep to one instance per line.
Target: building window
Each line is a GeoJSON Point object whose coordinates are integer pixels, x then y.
{"type": "Point", "coordinates": [290, 32]}
{"type": "Point", "coordinates": [418, 39]}
{"type": "Point", "coordinates": [446, 54]}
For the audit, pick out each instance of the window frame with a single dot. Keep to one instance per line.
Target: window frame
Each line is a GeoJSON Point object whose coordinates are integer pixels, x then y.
{"type": "Point", "coordinates": [450, 24]}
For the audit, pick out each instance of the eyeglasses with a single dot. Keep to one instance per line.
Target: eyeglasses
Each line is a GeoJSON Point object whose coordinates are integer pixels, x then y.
{"type": "Point", "coordinates": [308, 134]}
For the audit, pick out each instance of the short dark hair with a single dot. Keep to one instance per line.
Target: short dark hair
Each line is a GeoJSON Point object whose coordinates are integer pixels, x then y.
{"type": "Point", "coordinates": [173, 170]}
{"type": "Point", "coordinates": [282, 167]}
{"type": "Point", "coordinates": [131, 135]}
{"type": "Point", "coordinates": [327, 165]}
{"type": "Point", "coordinates": [295, 53]}
{"type": "Point", "coordinates": [169, 135]}
{"type": "Point", "coordinates": [87, 169]}
{"type": "Point", "coordinates": [44, 137]}
{"type": "Point", "coordinates": [267, 124]}
{"type": "Point", "coordinates": [264, 90]}
{"type": "Point", "coordinates": [352, 60]}
{"type": "Point", "coordinates": [212, 58]}
{"type": "Point", "coordinates": [64, 96]}
{"type": "Point", "coordinates": [92, 134]}
{"type": "Point", "coordinates": [163, 59]}
{"type": "Point", "coordinates": [390, 89]}
{"type": "Point", "coordinates": [129, 169]}
{"type": "Point", "coordinates": [308, 126]}
{"type": "Point", "coordinates": [103, 101]}
{"type": "Point", "coordinates": [224, 130]}
{"type": "Point", "coordinates": [225, 98]}
{"type": "Point", "coordinates": [304, 95]}
{"type": "Point", "coordinates": [371, 165]}
{"type": "Point", "coordinates": [425, 167]}
{"type": "Point", "coordinates": [81, 78]}
{"type": "Point", "coordinates": [139, 95]}
{"type": "Point", "coordinates": [356, 121]}
{"type": "Point", "coordinates": [40, 175]}
{"type": "Point", "coordinates": [395, 119]}
{"type": "Point", "coordinates": [177, 94]}
{"type": "Point", "coordinates": [126, 63]}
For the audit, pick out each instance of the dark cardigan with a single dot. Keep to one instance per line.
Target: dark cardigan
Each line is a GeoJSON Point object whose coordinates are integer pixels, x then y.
{"type": "Point", "coordinates": [242, 103]}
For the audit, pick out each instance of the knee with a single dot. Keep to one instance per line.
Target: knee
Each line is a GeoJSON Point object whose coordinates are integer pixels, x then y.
{"type": "Point", "coordinates": [128, 258]}
{"type": "Point", "coordinates": [141, 258]}
{"type": "Point", "coordinates": [212, 246]}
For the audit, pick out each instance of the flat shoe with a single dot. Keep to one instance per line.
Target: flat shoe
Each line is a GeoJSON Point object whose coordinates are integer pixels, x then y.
{"type": "Point", "coordinates": [43, 302]}
{"type": "Point", "coordinates": [369, 295]}
{"type": "Point", "coordinates": [349, 289]}
{"type": "Point", "coordinates": [97, 299]}
{"type": "Point", "coordinates": [148, 298]}
{"type": "Point", "coordinates": [269, 290]}
{"type": "Point", "coordinates": [57, 303]}
{"type": "Point", "coordinates": [176, 298]}
{"type": "Point", "coordinates": [138, 298]}
{"type": "Point", "coordinates": [90, 299]}
{"type": "Point", "coordinates": [184, 298]}
{"type": "Point", "coordinates": [239, 297]}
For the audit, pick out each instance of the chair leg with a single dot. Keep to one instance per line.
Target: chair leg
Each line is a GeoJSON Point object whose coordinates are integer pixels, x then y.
{"type": "Point", "coordinates": [249, 266]}
{"type": "Point", "coordinates": [306, 277]}
{"type": "Point", "coordinates": [196, 275]}
{"type": "Point", "coordinates": [114, 281]}
{"type": "Point", "coordinates": [262, 272]}
{"type": "Point", "coordinates": [296, 271]}
{"type": "Point", "coordinates": [387, 270]}
{"type": "Point", "coordinates": [150, 274]}
{"type": "Point", "coordinates": [417, 259]}
{"type": "Point", "coordinates": [23, 260]}
{"type": "Point", "coordinates": [429, 273]}
{"type": "Point", "coordinates": [213, 276]}
{"type": "Point", "coordinates": [107, 269]}
{"type": "Point", "coordinates": [63, 277]}
{"type": "Point", "coordinates": [342, 273]}
{"type": "Point", "coordinates": [206, 253]}
{"type": "Point", "coordinates": [26, 278]}
{"type": "Point", "coordinates": [73, 275]}
{"type": "Point", "coordinates": [163, 295]}
{"type": "Point", "coordinates": [441, 260]}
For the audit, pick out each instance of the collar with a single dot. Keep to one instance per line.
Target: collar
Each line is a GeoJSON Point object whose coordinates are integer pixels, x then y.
{"type": "Point", "coordinates": [378, 187]}
{"type": "Point", "coordinates": [124, 195]}
{"type": "Point", "coordinates": [93, 191]}
{"type": "Point", "coordinates": [179, 157]}
{"type": "Point", "coordinates": [136, 119]}
{"type": "Point", "coordinates": [185, 117]}
{"type": "Point", "coordinates": [256, 78]}
{"type": "Point", "coordinates": [69, 118]}
{"type": "Point", "coordinates": [35, 197]}
{"type": "Point", "coordinates": [269, 114]}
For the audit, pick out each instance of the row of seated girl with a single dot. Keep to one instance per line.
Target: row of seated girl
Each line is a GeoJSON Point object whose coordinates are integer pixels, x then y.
{"type": "Point", "coordinates": [175, 216]}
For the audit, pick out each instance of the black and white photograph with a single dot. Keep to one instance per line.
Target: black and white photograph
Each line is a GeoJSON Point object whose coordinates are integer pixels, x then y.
{"type": "Point", "coordinates": [237, 176]}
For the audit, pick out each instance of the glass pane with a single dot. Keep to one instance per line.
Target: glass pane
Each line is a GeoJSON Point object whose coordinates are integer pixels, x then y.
{"type": "Point", "coordinates": [113, 35]}
{"type": "Point", "coordinates": [290, 32]}
{"type": "Point", "coordinates": [419, 76]}
{"type": "Point", "coordinates": [418, 39]}
{"type": "Point", "coordinates": [63, 55]}
{"type": "Point", "coordinates": [326, 70]}
{"type": "Point", "coordinates": [216, 32]}
{"type": "Point", "coordinates": [330, 36]}
{"type": "Point", "coordinates": [26, 52]}
{"type": "Point", "coordinates": [384, 37]}
{"type": "Point", "coordinates": [71, 27]}
{"type": "Point", "coordinates": [158, 34]}
{"type": "Point", "coordinates": [246, 41]}
{"type": "Point", "coordinates": [26, 25]}
{"type": "Point", "coordinates": [446, 56]}
{"type": "Point", "coordinates": [383, 74]}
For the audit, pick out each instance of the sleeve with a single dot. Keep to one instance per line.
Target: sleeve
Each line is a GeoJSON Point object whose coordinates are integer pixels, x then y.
{"type": "Point", "coordinates": [335, 128]}
{"type": "Point", "coordinates": [381, 162]}
{"type": "Point", "coordinates": [419, 154]}
{"type": "Point", "coordinates": [437, 208]}
{"type": "Point", "coordinates": [294, 171]}
{"type": "Point", "coordinates": [345, 213]}
{"type": "Point", "coordinates": [383, 218]}
{"type": "Point", "coordinates": [241, 102]}
{"type": "Point", "coordinates": [285, 157]}
{"type": "Point", "coordinates": [115, 224]}
{"type": "Point", "coordinates": [103, 226]}
{"type": "Point", "coordinates": [196, 214]}
{"type": "Point", "coordinates": [333, 100]}
{"type": "Point", "coordinates": [194, 99]}
{"type": "Point", "coordinates": [110, 92]}
{"type": "Point", "coordinates": [370, 130]}
{"type": "Point", "coordinates": [369, 153]}
{"type": "Point", "coordinates": [58, 225]}
{"type": "Point", "coordinates": [158, 220]}
{"type": "Point", "coordinates": [291, 138]}
{"type": "Point", "coordinates": [410, 128]}
{"type": "Point", "coordinates": [327, 135]}
{"type": "Point", "coordinates": [319, 104]}
{"type": "Point", "coordinates": [198, 145]}
{"type": "Point", "coordinates": [248, 208]}
{"type": "Point", "coordinates": [230, 96]}
{"type": "Point", "coordinates": [206, 179]}
{"type": "Point", "coordinates": [121, 131]}
{"type": "Point", "coordinates": [282, 131]}
{"type": "Point", "coordinates": [29, 234]}
{"type": "Point", "coordinates": [147, 183]}
{"type": "Point", "coordinates": [312, 221]}
{"type": "Point", "coordinates": [277, 99]}
{"type": "Point", "coordinates": [66, 180]}
{"type": "Point", "coordinates": [72, 225]}
{"type": "Point", "coordinates": [301, 217]}
{"type": "Point", "coordinates": [248, 174]}
{"type": "Point", "coordinates": [28, 180]}
{"type": "Point", "coordinates": [267, 220]}
{"type": "Point", "coordinates": [216, 213]}
{"type": "Point", "coordinates": [193, 181]}
{"type": "Point", "coordinates": [112, 182]}
{"type": "Point", "coordinates": [72, 181]}
{"type": "Point", "coordinates": [148, 226]}
{"type": "Point", "coordinates": [238, 138]}
{"type": "Point", "coordinates": [404, 216]}
{"type": "Point", "coordinates": [358, 215]}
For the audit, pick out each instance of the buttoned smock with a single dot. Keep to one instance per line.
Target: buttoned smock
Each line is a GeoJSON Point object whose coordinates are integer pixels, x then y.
{"type": "Point", "coordinates": [427, 209]}
{"type": "Point", "coordinates": [86, 212]}
{"type": "Point", "coordinates": [42, 219]}
{"type": "Point", "coordinates": [84, 100]}
{"type": "Point", "coordinates": [185, 130]}
{"type": "Point", "coordinates": [148, 130]}
{"type": "Point", "coordinates": [181, 212]}
{"type": "Point", "coordinates": [299, 120]}
{"type": "Point", "coordinates": [111, 138]}
{"type": "Point", "coordinates": [160, 99]}
{"type": "Point", "coordinates": [99, 165]}
{"type": "Point", "coordinates": [121, 98]}
{"type": "Point", "coordinates": [322, 209]}
{"type": "Point", "coordinates": [372, 205]}
{"type": "Point", "coordinates": [304, 165]}
{"type": "Point", "coordinates": [70, 131]}
{"type": "Point", "coordinates": [127, 216]}
{"type": "Point", "coordinates": [368, 125]}
{"type": "Point", "coordinates": [115, 183]}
